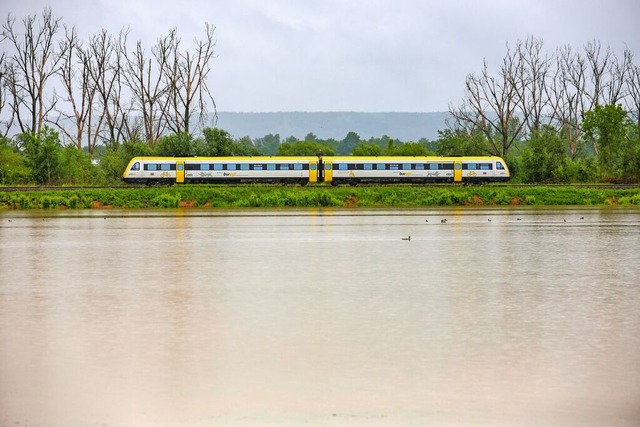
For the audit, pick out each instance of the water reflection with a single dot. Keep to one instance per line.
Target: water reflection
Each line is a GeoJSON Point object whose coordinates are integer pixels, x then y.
{"type": "Point", "coordinates": [320, 317]}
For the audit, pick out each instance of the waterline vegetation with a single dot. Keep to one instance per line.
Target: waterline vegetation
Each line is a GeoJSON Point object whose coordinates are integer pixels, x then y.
{"type": "Point", "coordinates": [269, 196]}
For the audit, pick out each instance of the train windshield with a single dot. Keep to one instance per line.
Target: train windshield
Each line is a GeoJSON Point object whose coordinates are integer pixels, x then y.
{"type": "Point", "coordinates": [136, 166]}
{"type": "Point", "coordinates": [499, 165]}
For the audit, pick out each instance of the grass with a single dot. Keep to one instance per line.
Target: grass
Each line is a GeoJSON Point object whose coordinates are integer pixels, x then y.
{"type": "Point", "coordinates": [271, 196]}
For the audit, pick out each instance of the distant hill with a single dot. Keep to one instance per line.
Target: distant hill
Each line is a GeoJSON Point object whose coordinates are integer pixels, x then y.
{"type": "Point", "coordinates": [336, 125]}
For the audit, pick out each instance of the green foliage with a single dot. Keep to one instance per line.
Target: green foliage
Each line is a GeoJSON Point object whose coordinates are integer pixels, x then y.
{"type": "Point", "coordinates": [304, 148]}
{"type": "Point", "coordinates": [408, 149]}
{"type": "Point", "coordinates": [458, 142]}
{"type": "Point", "coordinates": [543, 156]}
{"type": "Point", "coordinates": [607, 127]}
{"type": "Point", "coordinates": [269, 196]}
{"type": "Point", "coordinates": [115, 160]}
{"type": "Point", "coordinates": [12, 165]}
{"type": "Point", "coordinates": [219, 143]}
{"type": "Point", "coordinates": [42, 152]}
{"type": "Point", "coordinates": [176, 145]}
{"type": "Point", "coordinates": [581, 169]}
{"type": "Point", "coordinates": [76, 167]}
{"type": "Point", "coordinates": [628, 161]}
{"type": "Point", "coordinates": [348, 144]}
{"type": "Point", "coordinates": [165, 200]}
{"type": "Point", "coordinates": [268, 144]}
{"type": "Point", "coordinates": [367, 149]}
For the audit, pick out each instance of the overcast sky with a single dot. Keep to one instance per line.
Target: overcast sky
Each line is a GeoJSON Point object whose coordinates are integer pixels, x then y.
{"type": "Point", "coordinates": [352, 55]}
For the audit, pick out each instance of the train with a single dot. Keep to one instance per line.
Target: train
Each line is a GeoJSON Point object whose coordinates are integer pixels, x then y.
{"type": "Point", "coordinates": [350, 170]}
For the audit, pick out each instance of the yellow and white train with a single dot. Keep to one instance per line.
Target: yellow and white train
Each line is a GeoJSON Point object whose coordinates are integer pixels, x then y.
{"type": "Point", "coordinates": [304, 170]}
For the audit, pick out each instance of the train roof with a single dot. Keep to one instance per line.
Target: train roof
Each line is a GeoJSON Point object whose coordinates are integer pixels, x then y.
{"type": "Point", "coordinates": [401, 159]}
{"type": "Point", "coordinates": [398, 159]}
{"type": "Point", "coordinates": [229, 158]}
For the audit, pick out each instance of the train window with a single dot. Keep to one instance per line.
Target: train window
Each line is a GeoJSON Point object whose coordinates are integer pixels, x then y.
{"type": "Point", "coordinates": [272, 166]}
{"type": "Point", "coordinates": [231, 167]}
{"type": "Point", "coordinates": [379, 166]}
{"type": "Point", "coordinates": [136, 166]}
{"type": "Point", "coordinates": [150, 167]}
{"type": "Point", "coordinates": [327, 166]}
{"type": "Point", "coordinates": [284, 167]}
{"type": "Point", "coordinates": [342, 166]}
{"type": "Point", "coordinates": [407, 166]}
{"type": "Point", "coordinates": [165, 167]}
{"type": "Point", "coordinates": [244, 166]}
{"type": "Point", "coordinates": [447, 166]}
{"type": "Point", "coordinates": [368, 166]}
{"type": "Point", "coordinates": [313, 166]}
{"type": "Point", "coordinates": [419, 166]}
{"type": "Point", "coordinates": [204, 166]}
{"type": "Point", "coordinates": [486, 166]}
{"type": "Point", "coordinates": [433, 166]}
{"type": "Point", "coordinates": [394, 167]}
{"type": "Point", "coordinates": [298, 166]}
{"type": "Point", "coordinates": [217, 167]}
{"type": "Point", "coordinates": [499, 166]}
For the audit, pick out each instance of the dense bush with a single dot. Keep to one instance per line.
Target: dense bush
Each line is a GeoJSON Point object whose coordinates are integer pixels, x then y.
{"type": "Point", "coordinates": [268, 196]}
{"type": "Point", "coordinates": [547, 156]}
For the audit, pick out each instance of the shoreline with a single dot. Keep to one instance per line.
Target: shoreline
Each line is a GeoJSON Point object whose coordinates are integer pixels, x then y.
{"type": "Point", "coordinates": [272, 196]}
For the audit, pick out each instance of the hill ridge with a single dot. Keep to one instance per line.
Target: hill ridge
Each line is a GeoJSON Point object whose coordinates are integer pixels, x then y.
{"type": "Point", "coordinates": [405, 126]}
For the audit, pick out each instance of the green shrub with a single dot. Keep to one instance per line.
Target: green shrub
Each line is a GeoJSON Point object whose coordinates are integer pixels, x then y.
{"type": "Point", "coordinates": [166, 201]}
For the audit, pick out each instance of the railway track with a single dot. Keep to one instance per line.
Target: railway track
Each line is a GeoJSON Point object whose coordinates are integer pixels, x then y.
{"type": "Point", "coordinates": [128, 187]}
{"type": "Point", "coordinates": [57, 188]}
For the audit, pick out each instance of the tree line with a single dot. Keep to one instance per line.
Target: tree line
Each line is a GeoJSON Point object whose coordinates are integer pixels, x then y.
{"type": "Point", "coordinates": [554, 115]}
{"type": "Point", "coordinates": [75, 111]}
{"type": "Point", "coordinates": [102, 91]}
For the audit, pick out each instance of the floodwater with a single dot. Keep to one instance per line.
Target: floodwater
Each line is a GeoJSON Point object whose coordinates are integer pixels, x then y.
{"type": "Point", "coordinates": [496, 317]}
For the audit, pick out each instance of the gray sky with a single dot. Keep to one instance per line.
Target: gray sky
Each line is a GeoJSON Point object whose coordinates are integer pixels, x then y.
{"type": "Point", "coordinates": [352, 55]}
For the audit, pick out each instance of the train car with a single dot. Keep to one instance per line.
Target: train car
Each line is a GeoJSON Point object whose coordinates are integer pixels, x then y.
{"type": "Point", "coordinates": [169, 170]}
{"type": "Point", "coordinates": [303, 170]}
{"type": "Point", "coordinates": [354, 170]}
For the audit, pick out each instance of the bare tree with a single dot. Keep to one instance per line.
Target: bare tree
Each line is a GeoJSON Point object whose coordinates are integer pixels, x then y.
{"type": "Point", "coordinates": [79, 90]}
{"type": "Point", "coordinates": [186, 75]}
{"type": "Point", "coordinates": [598, 63]}
{"type": "Point", "coordinates": [618, 72]}
{"type": "Point", "coordinates": [491, 105]}
{"type": "Point", "coordinates": [532, 70]}
{"type": "Point", "coordinates": [633, 89]}
{"type": "Point", "coordinates": [111, 123]}
{"type": "Point", "coordinates": [5, 69]}
{"type": "Point", "coordinates": [34, 62]}
{"type": "Point", "coordinates": [565, 93]}
{"type": "Point", "coordinates": [144, 77]}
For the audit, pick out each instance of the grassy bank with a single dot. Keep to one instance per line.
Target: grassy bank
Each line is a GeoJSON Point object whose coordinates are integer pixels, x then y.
{"type": "Point", "coordinates": [269, 196]}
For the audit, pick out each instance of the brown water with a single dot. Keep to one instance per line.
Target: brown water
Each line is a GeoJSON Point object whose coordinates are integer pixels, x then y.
{"type": "Point", "coordinates": [320, 317]}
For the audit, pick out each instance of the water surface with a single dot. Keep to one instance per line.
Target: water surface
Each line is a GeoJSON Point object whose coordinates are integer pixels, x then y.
{"type": "Point", "coordinates": [320, 317]}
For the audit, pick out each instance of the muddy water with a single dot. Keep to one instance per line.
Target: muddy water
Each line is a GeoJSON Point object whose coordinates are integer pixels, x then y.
{"type": "Point", "coordinates": [320, 317]}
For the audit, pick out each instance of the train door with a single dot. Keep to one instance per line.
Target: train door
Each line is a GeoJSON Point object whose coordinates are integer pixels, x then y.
{"type": "Point", "coordinates": [313, 171]}
{"type": "Point", "coordinates": [457, 171]}
{"type": "Point", "coordinates": [180, 171]}
{"type": "Point", "coordinates": [328, 171]}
